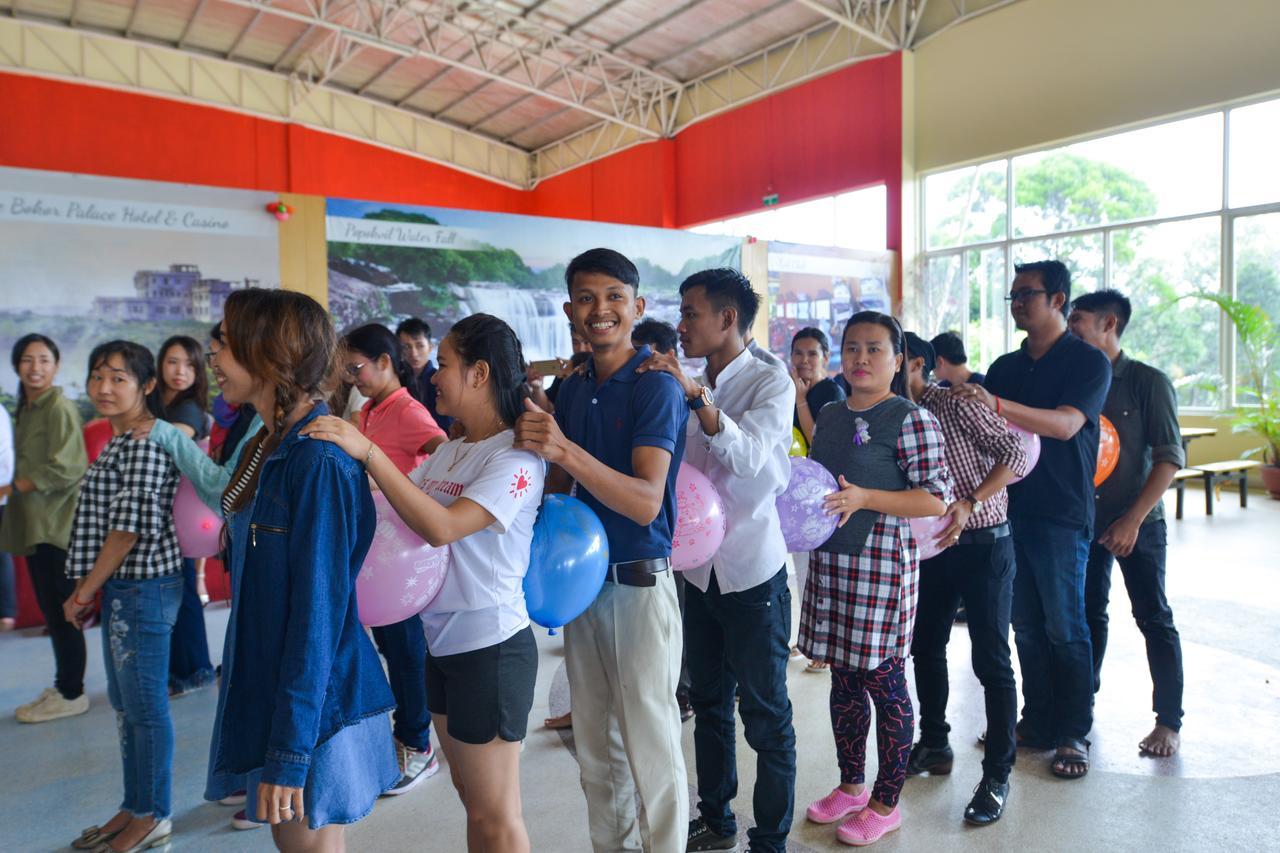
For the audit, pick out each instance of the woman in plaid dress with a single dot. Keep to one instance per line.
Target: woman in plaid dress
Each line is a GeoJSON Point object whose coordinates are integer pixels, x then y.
{"type": "Point", "coordinates": [123, 543]}
{"type": "Point", "coordinates": [859, 603]}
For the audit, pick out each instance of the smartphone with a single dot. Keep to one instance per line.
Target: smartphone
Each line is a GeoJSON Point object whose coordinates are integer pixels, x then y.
{"type": "Point", "coordinates": [549, 367]}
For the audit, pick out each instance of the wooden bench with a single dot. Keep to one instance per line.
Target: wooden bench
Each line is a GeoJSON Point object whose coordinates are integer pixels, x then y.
{"type": "Point", "coordinates": [1213, 473]}
{"type": "Point", "coordinates": [1180, 483]}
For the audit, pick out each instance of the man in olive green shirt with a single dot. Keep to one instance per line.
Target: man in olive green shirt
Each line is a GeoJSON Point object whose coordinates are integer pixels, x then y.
{"type": "Point", "coordinates": [1130, 523]}
{"type": "Point", "coordinates": [50, 462]}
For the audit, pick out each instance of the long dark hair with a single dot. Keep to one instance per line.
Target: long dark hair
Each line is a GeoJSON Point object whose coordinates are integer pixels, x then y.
{"type": "Point", "coordinates": [483, 337]}
{"type": "Point", "coordinates": [199, 390]}
{"type": "Point", "coordinates": [20, 349]}
{"type": "Point", "coordinates": [376, 340]}
{"type": "Point", "coordinates": [140, 364]}
{"type": "Point", "coordinates": [284, 338]}
{"type": "Point", "coordinates": [899, 383]}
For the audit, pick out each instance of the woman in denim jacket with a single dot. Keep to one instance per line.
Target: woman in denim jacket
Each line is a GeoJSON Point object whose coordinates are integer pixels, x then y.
{"type": "Point", "coordinates": [304, 703]}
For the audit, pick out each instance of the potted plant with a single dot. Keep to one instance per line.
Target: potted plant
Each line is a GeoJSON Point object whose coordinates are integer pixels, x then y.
{"type": "Point", "coordinates": [1258, 375]}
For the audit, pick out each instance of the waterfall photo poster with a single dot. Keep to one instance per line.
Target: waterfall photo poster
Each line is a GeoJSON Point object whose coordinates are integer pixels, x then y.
{"type": "Point", "coordinates": [90, 259]}
{"type": "Point", "coordinates": [389, 261]}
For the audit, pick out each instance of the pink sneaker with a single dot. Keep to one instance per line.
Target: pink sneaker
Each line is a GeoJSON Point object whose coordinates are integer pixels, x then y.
{"type": "Point", "coordinates": [837, 805]}
{"type": "Point", "coordinates": [868, 826]}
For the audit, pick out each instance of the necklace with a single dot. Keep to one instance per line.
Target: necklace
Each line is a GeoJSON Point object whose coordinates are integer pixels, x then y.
{"type": "Point", "coordinates": [458, 455]}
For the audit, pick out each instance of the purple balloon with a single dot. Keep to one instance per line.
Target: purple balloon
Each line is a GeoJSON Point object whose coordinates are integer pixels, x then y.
{"type": "Point", "coordinates": [1030, 443]}
{"type": "Point", "coordinates": [806, 524]}
{"type": "Point", "coordinates": [401, 574]}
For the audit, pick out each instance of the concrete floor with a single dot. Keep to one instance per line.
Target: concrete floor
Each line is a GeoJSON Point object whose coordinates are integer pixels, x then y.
{"type": "Point", "coordinates": [1220, 793]}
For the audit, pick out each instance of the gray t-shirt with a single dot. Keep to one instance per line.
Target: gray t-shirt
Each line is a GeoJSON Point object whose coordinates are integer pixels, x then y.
{"type": "Point", "coordinates": [863, 446]}
{"type": "Point", "coordinates": [1143, 408]}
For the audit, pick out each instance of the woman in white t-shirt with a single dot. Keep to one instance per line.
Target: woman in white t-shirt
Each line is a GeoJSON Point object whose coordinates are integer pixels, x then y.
{"type": "Point", "coordinates": [480, 497]}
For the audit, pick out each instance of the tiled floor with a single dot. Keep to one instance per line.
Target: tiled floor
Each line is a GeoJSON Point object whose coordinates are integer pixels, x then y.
{"type": "Point", "coordinates": [1220, 793]}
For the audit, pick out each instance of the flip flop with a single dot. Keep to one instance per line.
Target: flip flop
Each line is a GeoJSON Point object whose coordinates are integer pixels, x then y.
{"type": "Point", "coordinates": [1080, 758]}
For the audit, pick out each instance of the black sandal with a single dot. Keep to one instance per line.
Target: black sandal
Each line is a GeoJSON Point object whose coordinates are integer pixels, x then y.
{"type": "Point", "coordinates": [1077, 756]}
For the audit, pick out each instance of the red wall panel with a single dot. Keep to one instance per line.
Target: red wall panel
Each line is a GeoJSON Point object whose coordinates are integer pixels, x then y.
{"type": "Point", "coordinates": [833, 134]}
{"type": "Point", "coordinates": [836, 133]}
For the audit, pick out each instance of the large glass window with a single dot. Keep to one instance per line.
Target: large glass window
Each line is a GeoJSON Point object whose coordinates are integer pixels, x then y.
{"type": "Point", "coordinates": [1167, 170]}
{"type": "Point", "coordinates": [1256, 262]}
{"type": "Point", "coordinates": [988, 314]}
{"type": "Point", "coordinates": [967, 205]}
{"type": "Point", "coordinates": [1158, 267]}
{"type": "Point", "coordinates": [1141, 211]}
{"type": "Point", "coordinates": [852, 220]}
{"type": "Point", "coordinates": [1255, 166]}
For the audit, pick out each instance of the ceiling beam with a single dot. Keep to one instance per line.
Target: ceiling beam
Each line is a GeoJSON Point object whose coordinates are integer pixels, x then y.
{"type": "Point", "coordinates": [551, 65]}
{"type": "Point", "coordinates": [857, 21]}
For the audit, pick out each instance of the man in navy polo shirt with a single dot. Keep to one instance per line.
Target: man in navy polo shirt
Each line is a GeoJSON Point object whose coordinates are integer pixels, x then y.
{"type": "Point", "coordinates": [1054, 386]}
{"type": "Point", "coordinates": [620, 436]}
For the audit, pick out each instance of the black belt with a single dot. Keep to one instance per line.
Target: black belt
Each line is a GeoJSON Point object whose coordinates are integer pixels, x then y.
{"type": "Point", "coordinates": [637, 572]}
{"type": "Point", "coordinates": [983, 535]}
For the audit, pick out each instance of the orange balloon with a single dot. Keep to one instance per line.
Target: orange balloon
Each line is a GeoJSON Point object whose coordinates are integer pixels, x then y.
{"type": "Point", "coordinates": [1108, 450]}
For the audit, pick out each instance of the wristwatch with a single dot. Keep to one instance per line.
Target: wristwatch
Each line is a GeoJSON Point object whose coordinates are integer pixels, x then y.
{"type": "Point", "coordinates": [704, 398]}
{"type": "Point", "coordinates": [975, 503]}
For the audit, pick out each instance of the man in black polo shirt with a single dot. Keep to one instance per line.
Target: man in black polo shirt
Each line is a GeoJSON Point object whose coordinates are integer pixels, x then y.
{"type": "Point", "coordinates": [1053, 386]}
{"type": "Point", "coordinates": [1130, 527]}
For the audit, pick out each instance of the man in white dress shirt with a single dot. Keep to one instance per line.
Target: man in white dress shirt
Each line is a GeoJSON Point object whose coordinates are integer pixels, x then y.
{"type": "Point", "coordinates": [738, 609]}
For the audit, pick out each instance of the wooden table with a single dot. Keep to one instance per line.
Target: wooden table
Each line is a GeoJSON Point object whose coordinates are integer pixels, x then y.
{"type": "Point", "coordinates": [1190, 434]}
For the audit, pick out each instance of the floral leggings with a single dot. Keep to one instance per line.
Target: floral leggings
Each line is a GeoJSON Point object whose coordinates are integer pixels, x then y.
{"type": "Point", "coordinates": [853, 692]}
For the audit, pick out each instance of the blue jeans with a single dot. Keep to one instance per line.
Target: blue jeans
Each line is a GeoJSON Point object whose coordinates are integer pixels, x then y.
{"type": "Point", "coordinates": [189, 665]}
{"type": "Point", "coordinates": [1049, 627]}
{"type": "Point", "coordinates": [405, 648]}
{"type": "Point", "coordinates": [138, 618]}
{"type": "Point", "coordinates": [739, 643]}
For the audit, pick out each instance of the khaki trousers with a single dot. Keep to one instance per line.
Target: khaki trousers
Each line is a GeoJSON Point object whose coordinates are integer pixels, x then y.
{"type": "Point", "coordinates": [622, 657]}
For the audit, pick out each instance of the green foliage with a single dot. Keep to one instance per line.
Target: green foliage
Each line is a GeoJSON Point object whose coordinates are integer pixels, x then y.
{"type": "Point", "coordinates": [1258, 346]}
{"type": "Point", "coordinates": [1067, 191]}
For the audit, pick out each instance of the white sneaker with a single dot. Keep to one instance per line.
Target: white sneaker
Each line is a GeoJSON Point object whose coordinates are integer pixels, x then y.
{"type": "Point", "coordinates": [237, 799]}
{"type": "Point", "coordinates": [240, 820]}
{"type": "Point", "coordinates": [415, 767]}
{"type": "Point", "coordinates": [53, 707]}
{"type": "Point", "coordinates": [44, 694]}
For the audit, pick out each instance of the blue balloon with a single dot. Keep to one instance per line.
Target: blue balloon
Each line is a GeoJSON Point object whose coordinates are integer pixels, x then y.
{"type": "Point", "coordinates": [568, 561]}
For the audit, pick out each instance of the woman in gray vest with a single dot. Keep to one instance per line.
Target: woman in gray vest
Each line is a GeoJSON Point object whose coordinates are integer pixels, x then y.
{"type": "Point", "coordinates": [860, 601]}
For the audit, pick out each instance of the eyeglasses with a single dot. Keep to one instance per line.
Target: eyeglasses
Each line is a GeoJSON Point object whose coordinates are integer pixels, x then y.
{"type": "Point", "coordinates": [1023, 295]}
{"type": "Point", "coordinates": [354, 369]}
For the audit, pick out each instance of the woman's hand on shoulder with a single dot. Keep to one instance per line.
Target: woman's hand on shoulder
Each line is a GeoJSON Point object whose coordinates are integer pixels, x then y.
{"type": "Point", "coordinates": [340, 432]}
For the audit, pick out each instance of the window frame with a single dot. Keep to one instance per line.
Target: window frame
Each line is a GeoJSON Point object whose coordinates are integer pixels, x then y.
{"type": "Point", "coordinates": [1226, 214]}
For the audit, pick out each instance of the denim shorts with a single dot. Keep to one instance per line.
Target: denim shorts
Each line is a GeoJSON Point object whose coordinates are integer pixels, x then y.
{"type": "Point", "coordinates": [486, 693]}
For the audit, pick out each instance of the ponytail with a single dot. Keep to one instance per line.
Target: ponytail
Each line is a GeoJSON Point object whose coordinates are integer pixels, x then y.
{"type": "Point", "coordinates": [483, 337]}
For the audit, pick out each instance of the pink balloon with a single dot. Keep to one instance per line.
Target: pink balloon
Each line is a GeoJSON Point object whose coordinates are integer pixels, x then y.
{"type": "Point", "coordinates": [925, 531]}
{"type": "Point", "coordinates": [700, 520]}
{"type": "Point", "coordinates": [401, 574]}
{"type": "Point", "coordinates": [1030, 443]}
{"type": "Point", "coordinates": [199, 528]}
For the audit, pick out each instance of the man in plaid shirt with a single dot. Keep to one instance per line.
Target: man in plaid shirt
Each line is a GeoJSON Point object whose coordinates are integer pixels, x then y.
{"type": "Point", "coordinates": [976, 569]}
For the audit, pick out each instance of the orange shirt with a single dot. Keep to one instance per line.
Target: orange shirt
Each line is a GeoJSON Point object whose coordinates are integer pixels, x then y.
{"type": "Point", "coordinates": [400, 425]}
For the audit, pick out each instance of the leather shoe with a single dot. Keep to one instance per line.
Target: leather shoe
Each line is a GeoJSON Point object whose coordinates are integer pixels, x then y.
{"type": "Point", "coordinates": [936, 761]}
{"type": "Point", "coordinates": [988, 802]}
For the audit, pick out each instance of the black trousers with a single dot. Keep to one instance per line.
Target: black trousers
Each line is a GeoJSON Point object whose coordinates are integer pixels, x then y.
{"type": "Point", "coordinates": [980, 576]}
{"type": "Point", "coordinates": [1143, 572]}
{"type": "Point", "coordinates": [52, 587]}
